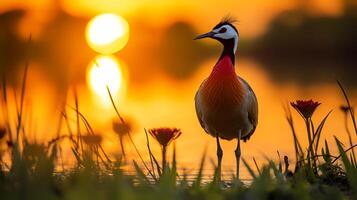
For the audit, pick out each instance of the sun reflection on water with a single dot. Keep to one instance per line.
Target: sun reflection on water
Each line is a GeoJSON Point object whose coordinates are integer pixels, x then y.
{"type": "Point", "coordinates": [106, 72]}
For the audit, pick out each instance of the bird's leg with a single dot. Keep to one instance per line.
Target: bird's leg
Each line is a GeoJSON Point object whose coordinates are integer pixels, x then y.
{"type": "Point", "coordinates": [238, 153]}
{"type": "Point", "coordinates": [219, 157]}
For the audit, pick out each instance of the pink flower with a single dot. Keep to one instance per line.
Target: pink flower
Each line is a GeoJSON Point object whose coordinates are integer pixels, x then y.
{"type": "Point", "coordinates": [345, 108]}
{"type": "Point", "coordinates": [121, 129]}
{"type": "Point", "coordinates": [165, 135]}
{"type": "Point", "coordinates": [305, 107]}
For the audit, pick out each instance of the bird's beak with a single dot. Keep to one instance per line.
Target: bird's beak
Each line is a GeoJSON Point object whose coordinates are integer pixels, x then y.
{"type": "Point", "coordinates": [209, 34]}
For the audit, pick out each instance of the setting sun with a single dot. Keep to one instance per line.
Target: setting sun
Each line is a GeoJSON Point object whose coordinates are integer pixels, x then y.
{"type": "Point", "coordinates": [105, 71]}
{"type": "Point", "coordinates": [107, 33]}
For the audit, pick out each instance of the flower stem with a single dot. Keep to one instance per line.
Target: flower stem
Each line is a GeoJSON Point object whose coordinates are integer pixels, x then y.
{"type": "Point", "coordinates": [122, 146]}
{"type": "Point", "coordinates": [348, 132]}
{"type": "Point", "coordinates": [310, 150]}
{"type": "Point", "coordinates": [163, 159]}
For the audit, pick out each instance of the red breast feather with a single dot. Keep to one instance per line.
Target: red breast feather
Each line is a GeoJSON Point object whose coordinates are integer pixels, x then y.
{"type": "Point", "coordinates": [222, 90]}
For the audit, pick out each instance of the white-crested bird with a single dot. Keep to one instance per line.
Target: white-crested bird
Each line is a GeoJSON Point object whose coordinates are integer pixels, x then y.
{"type": "Point", "coordinates": [226, 105]}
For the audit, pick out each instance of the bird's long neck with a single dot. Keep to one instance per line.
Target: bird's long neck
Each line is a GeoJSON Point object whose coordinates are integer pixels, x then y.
{"type": "Point", "coordinates": [223, 87]}
{"type": "Point", "coordinates": [225, 63]}
{"type": "Point", "coordinates": [229, 48]}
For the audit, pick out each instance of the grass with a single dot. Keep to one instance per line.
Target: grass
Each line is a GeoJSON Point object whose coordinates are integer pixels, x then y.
{"type": "Point", "coordinates": [33, 170]}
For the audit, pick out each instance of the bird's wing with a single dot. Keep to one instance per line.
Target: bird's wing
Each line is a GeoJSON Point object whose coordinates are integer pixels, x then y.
{"type": "Point", "coordinates": [252, 109]}
{"type": "Point", "coordinates": [198, 108]}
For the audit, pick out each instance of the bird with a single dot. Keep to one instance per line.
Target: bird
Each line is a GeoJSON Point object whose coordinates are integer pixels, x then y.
{"type": "Point", "coordinates": [226, 105]}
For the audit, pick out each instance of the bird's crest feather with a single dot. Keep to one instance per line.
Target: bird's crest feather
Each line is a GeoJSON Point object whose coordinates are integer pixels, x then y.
{"type": "Point", "coordinates": [227, 20]}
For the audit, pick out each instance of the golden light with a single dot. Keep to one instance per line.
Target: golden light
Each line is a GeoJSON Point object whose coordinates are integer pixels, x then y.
{"type": "Point", "coordinates": [107, 33]}
{"type": "Point", "coordinates": [105, 71]}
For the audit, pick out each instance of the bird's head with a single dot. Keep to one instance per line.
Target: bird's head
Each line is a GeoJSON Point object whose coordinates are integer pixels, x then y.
{"type": "Point", "coordinates": [225, 32]}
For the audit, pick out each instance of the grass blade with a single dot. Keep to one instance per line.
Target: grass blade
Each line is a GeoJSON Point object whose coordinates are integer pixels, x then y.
{"type": "Point", "coordinates": [256, 165]}
{"type": "Point", "coordinates": [297, 145]}
{"type": "Point", "coordinates": [349, 106]}
{"type": "Point", "coordinates": [152, 157]}
{"type": "Point", "coordinates": [140, 174]}
{"type": "Point", "coordinates": [129, 135]}
{"type": "Point", "coordinates": [198, 179]}
{"type": "Point", "coordinates": [318, 132]}
{"type": "Point", "coordinates": [250, 170]}
{"type": "Point", "coordinates": [350, 169]}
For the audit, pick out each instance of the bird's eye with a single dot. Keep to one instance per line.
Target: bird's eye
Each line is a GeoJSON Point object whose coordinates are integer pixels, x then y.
{"type": "Point", "coordinates": [223, 30]}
